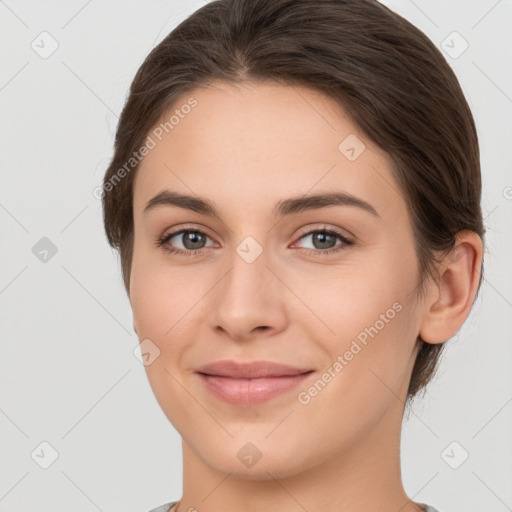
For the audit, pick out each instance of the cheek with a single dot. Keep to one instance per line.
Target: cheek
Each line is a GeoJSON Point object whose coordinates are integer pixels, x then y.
{"type": "Point", "coordinates": [366, 366]}
{"type": "Point", "coordinates": [368, 315]}
{"type": "Point", "coordinates": [166, 301]}
{"type": "Point", "coordinates": [156, 304]}
{"type": "Point", "coordinates": [354, 297]}
{"type": "Point", "coordinates": [151, 297]}
{"type": "Point", "coordinates": [160, 305]}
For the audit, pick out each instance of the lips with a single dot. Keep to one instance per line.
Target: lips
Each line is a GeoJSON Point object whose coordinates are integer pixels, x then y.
{"type": "Point", "coordinates": [250, 370]}
{"type": "Point", "coordinates": [247, 384]}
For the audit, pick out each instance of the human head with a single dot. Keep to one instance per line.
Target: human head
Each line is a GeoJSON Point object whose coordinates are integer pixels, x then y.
{"type": "Point", "coordinates": [386, 74]}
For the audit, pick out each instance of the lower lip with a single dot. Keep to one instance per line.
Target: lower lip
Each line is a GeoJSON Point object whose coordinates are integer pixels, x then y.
{"type": "Point", "coordinates": [246, 392]}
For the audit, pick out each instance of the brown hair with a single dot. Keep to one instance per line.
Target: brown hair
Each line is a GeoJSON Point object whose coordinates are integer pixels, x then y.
{"type": "Point", "coordinates": [387, 74]}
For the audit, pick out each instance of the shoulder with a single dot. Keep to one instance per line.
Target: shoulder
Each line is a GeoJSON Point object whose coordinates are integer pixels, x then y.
{"type": "Point", "coordinates": [429, 508]}
{"type": "Point", "coordinates": [167, 506]}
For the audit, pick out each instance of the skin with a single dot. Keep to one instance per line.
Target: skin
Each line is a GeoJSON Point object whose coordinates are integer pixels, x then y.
{"type": "Point", "coordinates": [244, 148]}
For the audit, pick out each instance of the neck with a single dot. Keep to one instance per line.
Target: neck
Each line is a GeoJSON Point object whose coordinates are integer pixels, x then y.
{"type": "Point", "coordinates": [366, 476]}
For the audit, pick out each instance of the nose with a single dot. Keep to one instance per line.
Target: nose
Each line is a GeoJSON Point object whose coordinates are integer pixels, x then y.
{"type": "Point", "coordinates": [249, 301]}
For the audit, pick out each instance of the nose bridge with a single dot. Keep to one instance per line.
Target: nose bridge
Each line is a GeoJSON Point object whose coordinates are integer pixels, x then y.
{"type": "Point", "coordinates": [248, 297]}
{"type": "Point", "coordinates": [249, 278]}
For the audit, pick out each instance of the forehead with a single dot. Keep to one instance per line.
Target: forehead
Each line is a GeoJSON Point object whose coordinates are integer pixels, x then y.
{"type": "Point", "coordinates": [257, 141]}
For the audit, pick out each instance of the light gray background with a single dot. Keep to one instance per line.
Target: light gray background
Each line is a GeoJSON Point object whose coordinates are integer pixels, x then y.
{"type": "Point", "coordinates": [68, 375]}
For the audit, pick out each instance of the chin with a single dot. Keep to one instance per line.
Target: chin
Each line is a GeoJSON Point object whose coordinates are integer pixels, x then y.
{"type": "Point", "coordinates": [257, 461]}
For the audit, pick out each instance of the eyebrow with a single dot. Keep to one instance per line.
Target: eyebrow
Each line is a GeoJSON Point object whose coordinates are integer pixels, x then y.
{"type": "Point", "coordinates": [282, 208]}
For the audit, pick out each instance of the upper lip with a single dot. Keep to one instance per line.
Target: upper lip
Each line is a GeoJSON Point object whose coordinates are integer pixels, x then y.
{"type": "Point", "coordinates": [250, 370]}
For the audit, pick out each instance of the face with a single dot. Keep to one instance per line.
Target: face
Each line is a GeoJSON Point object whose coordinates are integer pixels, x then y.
{"type": "Point", "coordinates": [261, 271]}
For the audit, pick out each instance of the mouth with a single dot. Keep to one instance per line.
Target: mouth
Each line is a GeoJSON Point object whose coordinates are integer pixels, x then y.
{"type": "Point", "coordinates": [246, 384]}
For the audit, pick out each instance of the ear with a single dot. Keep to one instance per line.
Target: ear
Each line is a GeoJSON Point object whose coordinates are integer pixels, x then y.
{"type": "Point", "coordinates": [449, 300]}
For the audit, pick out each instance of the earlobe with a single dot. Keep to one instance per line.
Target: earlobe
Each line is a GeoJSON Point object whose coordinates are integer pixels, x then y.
{"type": "Point", "coordinates": [451, 298]}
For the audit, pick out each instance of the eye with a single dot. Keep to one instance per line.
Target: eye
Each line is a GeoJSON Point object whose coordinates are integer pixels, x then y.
{"type": "Point", "coordinates": [324, 241]}
{"type": "Point", "coordinates": [192, 241]}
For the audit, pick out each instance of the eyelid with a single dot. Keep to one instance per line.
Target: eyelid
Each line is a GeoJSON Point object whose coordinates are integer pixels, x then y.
{"type": "Point", "coordinates": [326, 227]}
{"type": "Point", "coordinates": [345, 238]}
{"type": "Point", "coordinates": [187, 227]}
{"type": "Point", "coordinates": [306, 230]}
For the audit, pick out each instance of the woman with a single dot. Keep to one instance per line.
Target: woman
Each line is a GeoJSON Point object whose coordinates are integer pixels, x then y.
{"type": "Point", "coordinates": [295, 195]}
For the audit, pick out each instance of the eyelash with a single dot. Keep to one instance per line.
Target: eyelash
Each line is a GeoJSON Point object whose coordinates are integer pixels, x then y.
{"type": "Point", "coordinates": [162, 242]}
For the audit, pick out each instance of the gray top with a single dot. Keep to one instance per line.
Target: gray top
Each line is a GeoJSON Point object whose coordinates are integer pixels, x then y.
{"type": "Point", "coordinates": [167, 507]}
{"type": "Point", "coordinates": [164, 508]}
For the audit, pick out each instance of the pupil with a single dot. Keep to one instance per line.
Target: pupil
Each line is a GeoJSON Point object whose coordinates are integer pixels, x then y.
{"type": "Point", "coordinates": [192, 240]}
{"type": "Point", "coordinates": [321, 238]}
